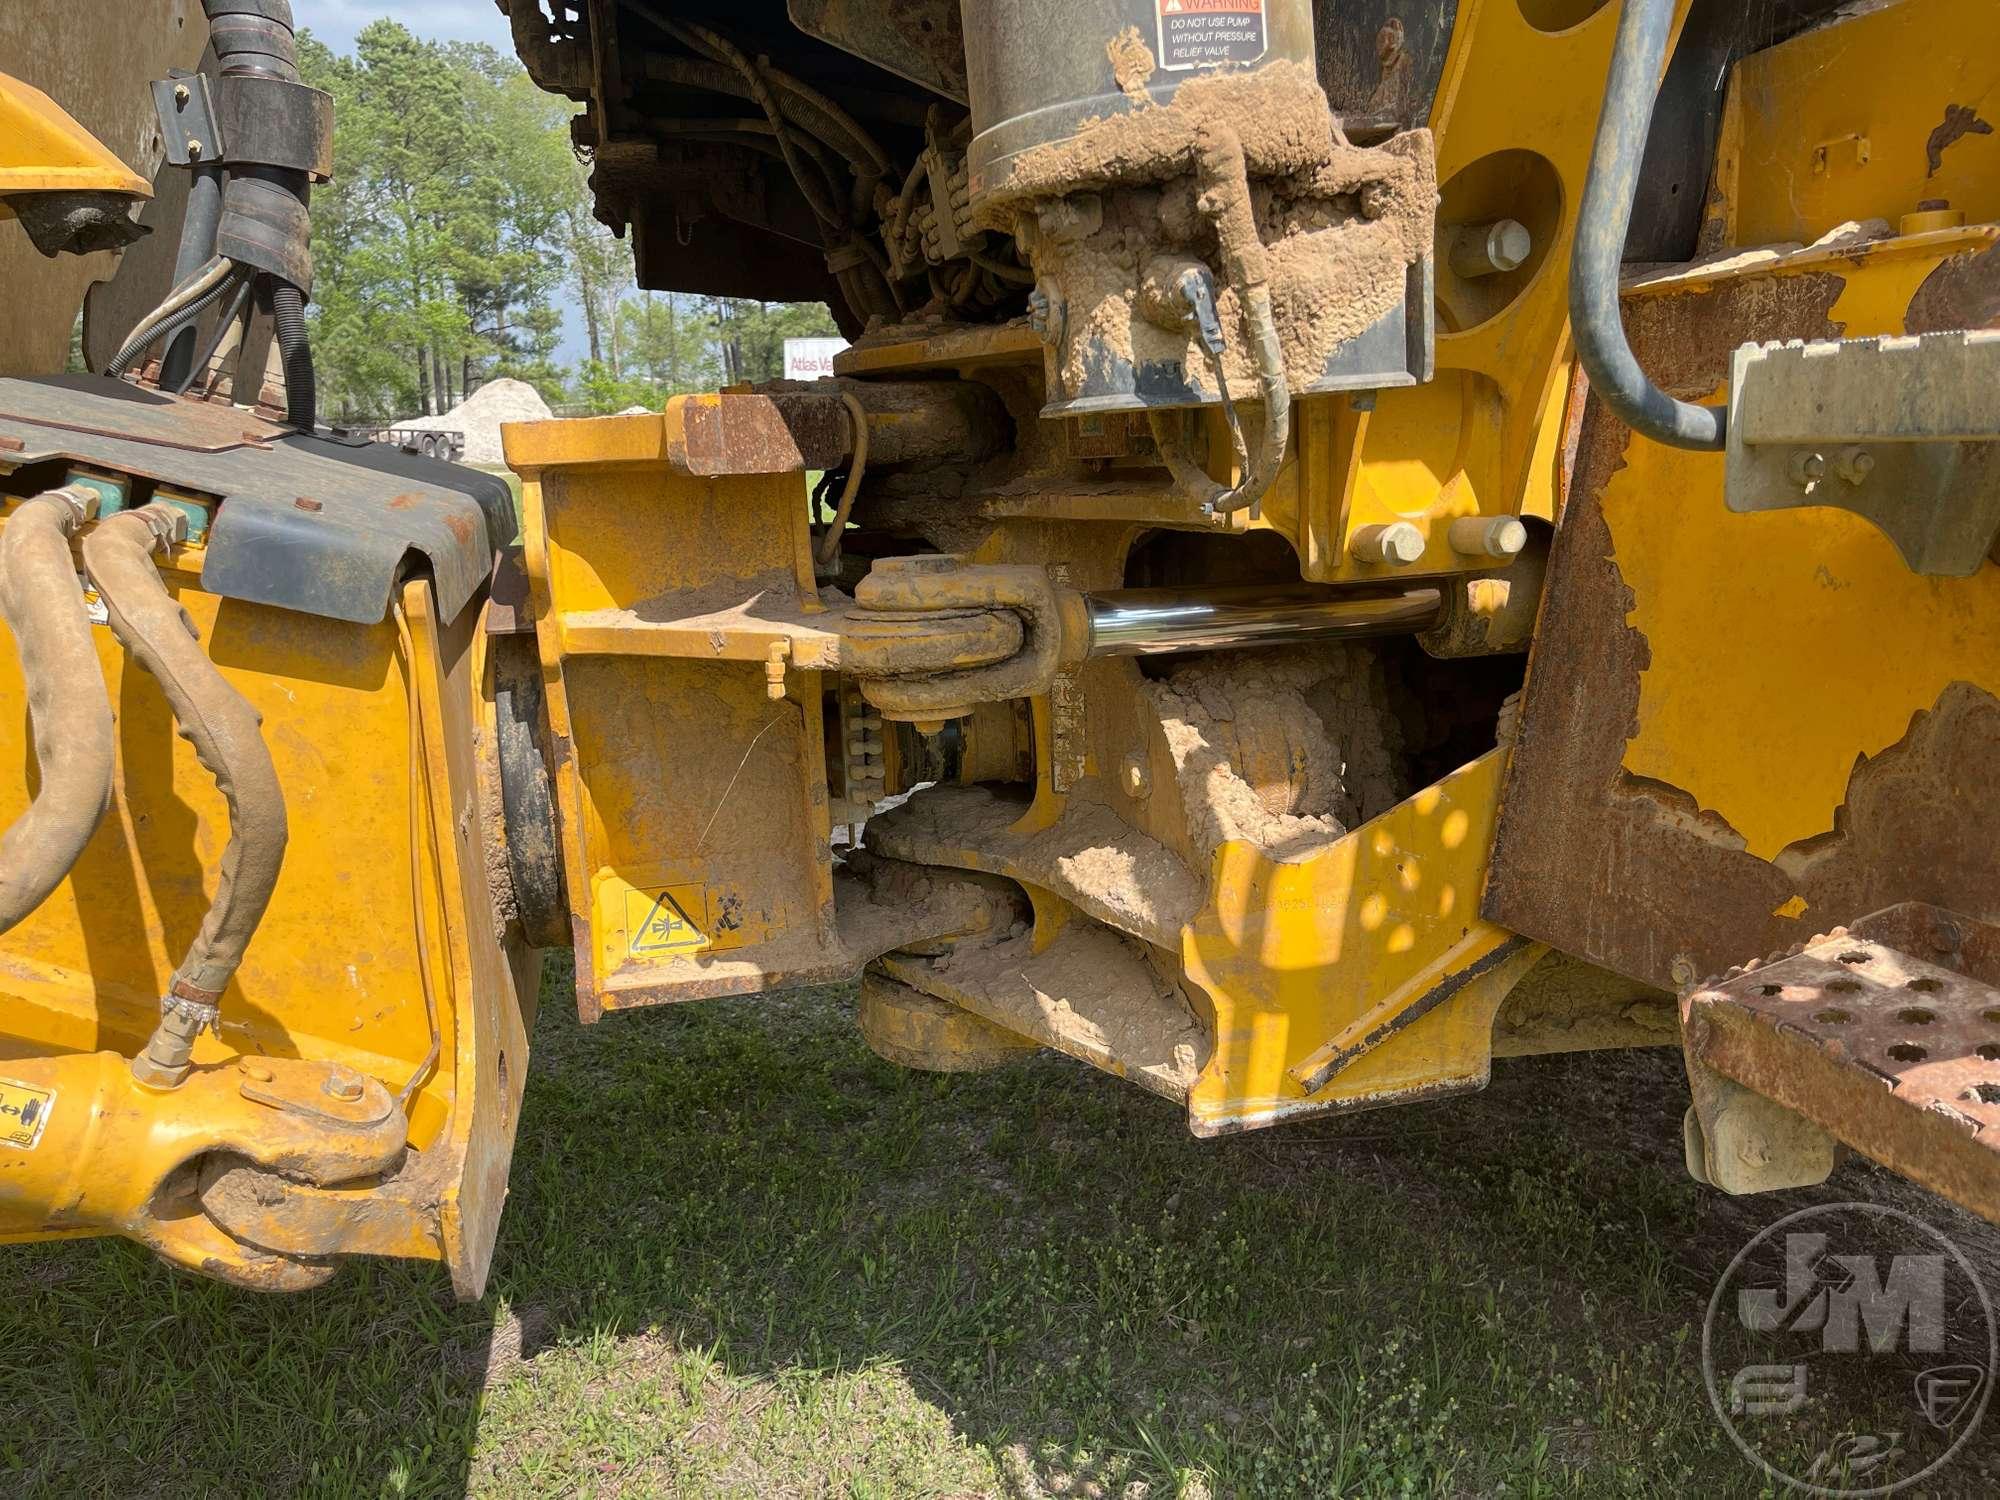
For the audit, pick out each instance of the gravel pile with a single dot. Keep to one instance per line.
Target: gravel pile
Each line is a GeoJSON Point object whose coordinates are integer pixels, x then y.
{"type": "Point", "coordinates": [479, 417]}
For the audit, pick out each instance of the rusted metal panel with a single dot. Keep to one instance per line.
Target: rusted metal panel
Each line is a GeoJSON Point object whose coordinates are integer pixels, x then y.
{"type": "Point", "coordinates": [1635, 875]}
{"type": "Point", "coordinates": [922, 40]}
{"type": "Point", "coordinates": [312, 523]}
{"type": "Point", "coordinates": [510, 605]}
{"type": "Point", "coordinates": [719, 435]}
{"type": "Point", "coordinates": [1887, 1036]}
{"type": "Point", "coordinates": [1963, 292]}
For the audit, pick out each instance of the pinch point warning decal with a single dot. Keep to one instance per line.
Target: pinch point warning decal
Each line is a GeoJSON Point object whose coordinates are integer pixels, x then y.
{"type": "Point", "coordinates": [24, 1111]}
{"type": "Point", "coordinates": [673, 919]}
{"type": "Point", "coordinates": [1209, 33]}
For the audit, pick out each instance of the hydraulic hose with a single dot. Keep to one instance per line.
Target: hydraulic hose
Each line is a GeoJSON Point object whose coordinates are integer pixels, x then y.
{"type": "Point", "coordinates": [41, 600]}
{"type": "Point", "coordinates": [1223, 176]}
{"type": "Point", "coordinates": [224, 325]}
{"type": "Point", "coordinates": [829, 545]}
{"type": "Point", "coordinates": [210, 277]}
{"type": "Point", "coordinates": [226, 733]}
{"type": "Point", "coordinates": [288, 314]}
{"type": "Point", "coordinates": [1606, 214]}
{"type": "Point", "coordinates": [157, 327]}
{"type": "Point", "coordinates": [265, 225]}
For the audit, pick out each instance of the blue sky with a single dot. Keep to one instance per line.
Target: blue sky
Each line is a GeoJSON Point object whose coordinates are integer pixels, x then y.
{"type": "Point", "coordinates": [335, 22]}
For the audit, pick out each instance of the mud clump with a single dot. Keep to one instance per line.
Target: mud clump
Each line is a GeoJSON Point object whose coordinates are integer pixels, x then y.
{"type": "Point", "coordinates": [1341, 225]}
{"type": "Point", "coordinates": [1278, 111]}
{"type": "Point", "coordinates": [1132, 63]}
{"type": "Point", "coordinates": [1286, 750]}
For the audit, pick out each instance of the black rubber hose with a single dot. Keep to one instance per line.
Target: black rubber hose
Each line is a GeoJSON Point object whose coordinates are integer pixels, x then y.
{"type": "Point", "coordinates": [1597, 325]}
{"type": "Point", "coordinates": [288, 313]}
{"type": "Point", "coordinates": [167, 327]}
{"type": "Point", "coordinates": [199, 365]}
{"type": "Point", "coordinates": [264, 221]}
{"type": "Point", "coordinates": [253, 36]}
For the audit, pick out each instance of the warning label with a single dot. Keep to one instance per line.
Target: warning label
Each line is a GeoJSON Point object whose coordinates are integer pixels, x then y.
{"type": "Point", "coordinates": [1208, 33]}
{"type": "Point", "coordinates": [671, 920]}
{"type": "Point", "coordinates": [23, 1113]}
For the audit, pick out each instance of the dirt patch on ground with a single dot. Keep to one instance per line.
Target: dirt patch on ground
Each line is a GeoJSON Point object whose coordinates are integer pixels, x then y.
{"type": "Point", "coordinates": [1284, 750]}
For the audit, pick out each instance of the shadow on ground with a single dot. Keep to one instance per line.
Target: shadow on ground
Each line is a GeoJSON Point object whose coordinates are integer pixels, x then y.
{"type": "Point", "coordinates": [743, 1256]}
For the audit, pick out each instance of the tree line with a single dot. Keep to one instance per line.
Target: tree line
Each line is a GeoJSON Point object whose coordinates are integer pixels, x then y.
{"type": "Point", "coordinates": [457, 228]}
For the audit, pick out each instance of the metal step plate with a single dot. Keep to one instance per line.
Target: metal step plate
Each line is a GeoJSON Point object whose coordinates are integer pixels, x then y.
{"type": "Point", "coordinates": [1887, 1036]}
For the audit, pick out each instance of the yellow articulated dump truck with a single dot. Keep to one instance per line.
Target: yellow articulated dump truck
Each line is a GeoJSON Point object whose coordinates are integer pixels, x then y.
{"type": "Point", "coordinates": [1354, 539]}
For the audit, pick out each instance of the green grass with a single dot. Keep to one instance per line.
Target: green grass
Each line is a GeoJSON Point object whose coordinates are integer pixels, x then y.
{"type": "Point", "coordinates": [745, 1257]}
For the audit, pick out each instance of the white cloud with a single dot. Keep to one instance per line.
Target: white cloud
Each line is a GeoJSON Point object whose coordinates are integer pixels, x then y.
{"type": "Point", "coordinates": [336, 22]}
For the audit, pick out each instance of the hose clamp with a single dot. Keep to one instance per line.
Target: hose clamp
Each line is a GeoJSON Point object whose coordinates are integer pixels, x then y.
{"type": "Point", "coordinates": [168, 523]}
{"type": "Point", "coordinates": [196, 1006]}
{"type": "Point", "coordinates": [81, 501]}
{"type": "Point", "coordinates": [846, 257]}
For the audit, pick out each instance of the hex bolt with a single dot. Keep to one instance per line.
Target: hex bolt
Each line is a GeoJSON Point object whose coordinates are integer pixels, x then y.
{"type": "Point", "coordinates": [181, 95]}
{"type": "Point", "coordinates": [1853, 464]}
{"type": "Point", "coordinates": [1398, 544]}
{"type": "Point", "coordinates": [1488, 536]}
{"type": "Point", "coordinates": [1807, 468]}
{"type": "Point", "coordinates": [1490, 249]}
{"type": "Point", "coordinates": [194, 149]}
{"type": "Point", "coordinates": [774, 669]}
{"type": "Point", "coordinates": [343, 1084]}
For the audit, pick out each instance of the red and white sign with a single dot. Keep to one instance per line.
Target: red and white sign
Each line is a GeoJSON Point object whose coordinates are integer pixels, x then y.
{"type": "Point", "coordinates": [1211, 33]}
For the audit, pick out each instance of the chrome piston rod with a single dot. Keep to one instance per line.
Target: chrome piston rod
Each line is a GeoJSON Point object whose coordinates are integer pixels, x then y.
{"type": "Point", "coordinates": [1159, 622]}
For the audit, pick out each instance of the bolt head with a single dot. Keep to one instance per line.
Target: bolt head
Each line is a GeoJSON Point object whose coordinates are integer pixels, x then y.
{"type": "Point", "coordinates": [1398, 544]}
{"type": "Point", "coordinates": [193, 149]}
{"type": "Point", "coordinates": [181, 94]}
{"type": "Point", "coordinates": [1506, 538]}
{"type": "Point", "coordinates": [343, 1084]}
{"type": "Point", "coordinates": [1508, 245]}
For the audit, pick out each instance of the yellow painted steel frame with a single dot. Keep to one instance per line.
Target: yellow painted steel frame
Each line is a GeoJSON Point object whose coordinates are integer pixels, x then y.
{"type": "Point", "coordinates": [382, 926]}
{"type": "Point", "coordinates": [1868, 119]}
{"type": "Point", "coordinates": [1360, 974]}
{"type": "Point", "coordinates": [1804, 569]}
{"type": "Point", "coordinates": [693, 804]}
{"type": "Point", "coordinates": [1871, 118]}
{"type": "Point", "coordinates": [696, 821]}
{"type": "Point", "coordinates": [43, 150]}
{"type": "Point", "coordinates": [1486, 436]}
